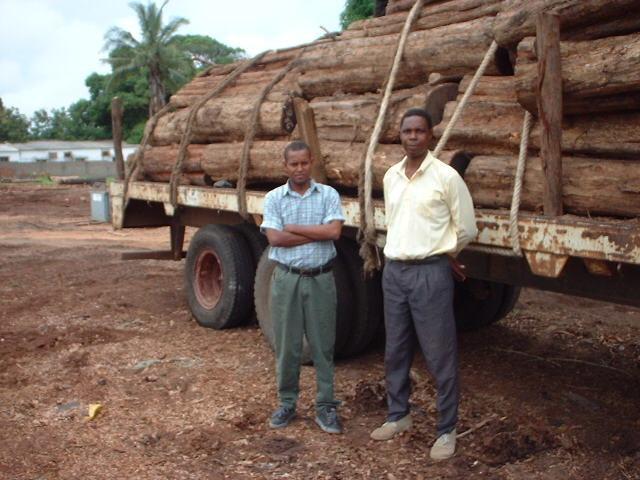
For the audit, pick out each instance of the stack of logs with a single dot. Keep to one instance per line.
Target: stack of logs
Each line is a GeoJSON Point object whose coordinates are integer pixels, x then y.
{"type": "Point", "coordinates": [341, 76]}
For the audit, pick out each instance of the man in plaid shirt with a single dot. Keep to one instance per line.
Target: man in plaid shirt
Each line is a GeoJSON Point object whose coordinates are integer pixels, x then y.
{"type": "Point", "coordinates": [302, 218]}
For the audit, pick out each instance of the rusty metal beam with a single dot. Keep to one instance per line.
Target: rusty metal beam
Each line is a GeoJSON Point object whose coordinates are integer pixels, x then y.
{"type": "Point", "coordinates": [620, 287]}
{"type": "Point", "coordinates": [612, 240]}
{"type": "Point", "coordinates": [152, 255]}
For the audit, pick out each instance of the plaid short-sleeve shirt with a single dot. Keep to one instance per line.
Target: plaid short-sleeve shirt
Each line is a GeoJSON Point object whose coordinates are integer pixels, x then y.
{"type": "Point", "coordinates": [319, 205]}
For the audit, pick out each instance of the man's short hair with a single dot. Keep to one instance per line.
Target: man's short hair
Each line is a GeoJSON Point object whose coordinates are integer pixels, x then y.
{"type": "Point", "coordinates": [418, 112]}
{"type": "Point", "coordinates": [295, 146]}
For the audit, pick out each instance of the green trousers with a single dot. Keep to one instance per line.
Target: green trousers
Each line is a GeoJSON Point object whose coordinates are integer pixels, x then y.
{"type": "Point", "coordinates": [303, 306]}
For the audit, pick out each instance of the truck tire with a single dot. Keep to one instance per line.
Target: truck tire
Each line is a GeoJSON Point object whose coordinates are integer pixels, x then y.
{"type": "Point", "coordinates": [257, 243]}
{"type": "Point", "coordinates": [509, 300]}
{"type": "Point", "coordinates": [219, 277]}
{"type": "Point", "coordinates": [262, 295]}
{"type": "Point", "coordinates": [366, 295]}
{"type": "Point", "coordinates": [255, 239]}
{"type": "Point", "coordinates": [345, 307]}
{"type": "Point", "coordinates": [478, 303]}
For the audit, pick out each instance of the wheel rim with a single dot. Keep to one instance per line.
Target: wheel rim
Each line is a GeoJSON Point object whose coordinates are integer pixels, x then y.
{"type": "Point", "coordinates": [208, 279]}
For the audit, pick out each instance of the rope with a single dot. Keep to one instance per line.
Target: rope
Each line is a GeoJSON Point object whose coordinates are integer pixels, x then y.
{"type": "Point", "coordinates": [191, 120]}
{"type": "Point", "coordinates": [465, 98]}
{"type": "Point", "coordinates": [368, 249]}
{"type": "Point", "coordinates": [504, 251]}
{"type": "Point", "coordinates": [241, 186]}
{"type": "Point", "coordinates": [517, 186]}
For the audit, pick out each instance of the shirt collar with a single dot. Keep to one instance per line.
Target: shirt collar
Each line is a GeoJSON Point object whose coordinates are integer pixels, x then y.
{"type": "Point", "coordinates": [313, 186]}
{"type": "Point", "coordinates": [426, 163]}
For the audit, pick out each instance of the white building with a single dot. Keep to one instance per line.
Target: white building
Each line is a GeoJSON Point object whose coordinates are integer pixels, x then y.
{"type": "Point", "coordinates": [9, 153]}
{"type": "Point", "coordinates": [61, 151]}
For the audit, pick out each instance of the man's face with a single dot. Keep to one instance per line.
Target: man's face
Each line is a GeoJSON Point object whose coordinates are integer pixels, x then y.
{"type": "Point", "coordinates": [415, 136]}
{"type": "Point", "coordinates": [298, 166]}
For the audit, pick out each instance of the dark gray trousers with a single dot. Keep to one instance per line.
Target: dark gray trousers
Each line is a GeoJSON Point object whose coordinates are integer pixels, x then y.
{"type": "Point", "coordinates": [418, 308]}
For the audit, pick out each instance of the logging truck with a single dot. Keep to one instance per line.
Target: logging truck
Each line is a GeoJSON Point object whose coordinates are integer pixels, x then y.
{"type": "Point", "coordinates": [551, 160]}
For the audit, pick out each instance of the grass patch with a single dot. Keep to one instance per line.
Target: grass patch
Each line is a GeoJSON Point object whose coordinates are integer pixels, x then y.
{"type": "Point", "coordinates": [45, 180]}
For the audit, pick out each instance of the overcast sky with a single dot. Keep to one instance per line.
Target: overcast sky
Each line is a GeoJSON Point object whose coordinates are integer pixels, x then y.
{"type": "Point", "coordinates": [49, 47]}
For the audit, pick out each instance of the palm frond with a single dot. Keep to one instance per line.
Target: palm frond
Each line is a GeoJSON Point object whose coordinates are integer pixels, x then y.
{"type": "Point", "coordinates": [171, 28]}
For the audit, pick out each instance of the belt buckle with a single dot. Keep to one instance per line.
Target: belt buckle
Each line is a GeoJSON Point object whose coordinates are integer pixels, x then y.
{"type": "Point", "coordinates": [309, 272]}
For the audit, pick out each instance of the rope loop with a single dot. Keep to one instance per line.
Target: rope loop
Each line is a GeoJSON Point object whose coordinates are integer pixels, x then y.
{"type": "Point", "coordinates": [367, 233]}
{"type": "Point", "coordinates": [191, 120]}
{"type": "Point", "coordinates": [252, 130]}
{"type": "Point", "coordinates": [517, 184]}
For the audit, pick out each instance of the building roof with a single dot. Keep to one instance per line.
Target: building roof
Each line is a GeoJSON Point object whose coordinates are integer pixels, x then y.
{"type": "Point", "coordinates": [7, 147]}
{"type": "Point", "coordinates": [60, 145]}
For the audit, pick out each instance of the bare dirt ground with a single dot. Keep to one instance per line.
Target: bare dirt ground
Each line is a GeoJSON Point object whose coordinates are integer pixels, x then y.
{"type": "Point", "coordinates": [555, 386]}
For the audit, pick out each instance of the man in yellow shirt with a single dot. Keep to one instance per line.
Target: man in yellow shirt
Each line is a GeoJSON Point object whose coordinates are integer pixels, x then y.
{"type": "Point", "coordinates": [430, 218]}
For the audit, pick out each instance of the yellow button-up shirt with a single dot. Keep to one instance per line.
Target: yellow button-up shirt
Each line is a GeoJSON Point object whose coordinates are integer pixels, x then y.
{"type": "Point", "coordinates": [430, 213]}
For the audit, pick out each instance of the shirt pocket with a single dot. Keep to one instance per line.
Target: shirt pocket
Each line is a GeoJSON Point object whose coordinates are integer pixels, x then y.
{"type": "Point", "coordinates": [314, 217]}
{"type": "Point", "coordinates": [430, 204]}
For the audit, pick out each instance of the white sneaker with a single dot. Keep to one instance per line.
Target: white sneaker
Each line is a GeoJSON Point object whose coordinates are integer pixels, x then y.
{"type": "Point", "coordinates": [445, 446]}
{"type": "Point", "coordinates": [388, 430]}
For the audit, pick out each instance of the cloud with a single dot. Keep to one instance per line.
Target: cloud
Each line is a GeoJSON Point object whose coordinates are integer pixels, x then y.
{"type": "Point", "coordinates": [45, 56]}
{"type": "Point", "coordinates": [49, 47]}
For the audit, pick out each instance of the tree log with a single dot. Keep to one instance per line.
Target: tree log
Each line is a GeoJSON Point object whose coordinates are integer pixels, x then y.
{"type": "Point", "coordinates": [431, 16]}
{"type": "Point", "coordinates": [590, 186]}
{"type": "Point", "coordinates": [493, 126]}
{"type": "Point", "coordinates": [245, 85]}
{"type": "Point", "coordinates": [223, 119]}
{"type": "Point", "coordinates": [492, 88]}
{"type": "Point", "coordinates": [351, 118]}
{"type": "Point", "coordinates": [220, 161]}
{"type": "Point", "coordinates": [309, 132]}
{"type": "Point", "coordinates": [517, 19]}
{"type": "Point", "coordinates": [250, 82]}
{"type": "Point", "coordinates": [597, 76]}
{"type": "Point", "coordinates": [361, 65]}
{"type": "Point", "coordinates": [199, 179]}
{"type": "Point", "coordinates": [116, 128]}
{"type": "Point", "coordinates": [549, 100]}
{"type": "Point", "coordinates": [394, 6]}
{"type": "Point", "coordinates": [616, 26]}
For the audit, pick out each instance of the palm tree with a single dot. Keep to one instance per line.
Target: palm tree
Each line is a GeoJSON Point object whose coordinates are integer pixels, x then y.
{"type": "Point", "coordinates": [157, 51]}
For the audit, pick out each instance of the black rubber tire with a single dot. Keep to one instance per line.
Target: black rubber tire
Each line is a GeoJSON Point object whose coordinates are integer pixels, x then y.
{"type": "Point", "coordinates": [345, 307]}
{"type": "Point", "coordinates": [257, 243]}
{"type": "Point", "coordinates": [213, 249]}
{"type": "Point", "coordinates": [255, 239]}
{"type": "Point", "coordinates": [477, 303]}
{"type": "Point", "coordinates": [366, 294]}
{"type": "Point", "coordinates": [509, 301]}
{"type": "Point", "coordinates": [262, 297]}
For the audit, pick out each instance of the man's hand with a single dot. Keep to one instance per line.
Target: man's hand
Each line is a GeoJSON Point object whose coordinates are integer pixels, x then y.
{"type": "Point", "coordinates": [326, 231]}
{"type": "Point", "coordinates": [278, 238]}
{"type": "Point", "coordinates": [457, 269]}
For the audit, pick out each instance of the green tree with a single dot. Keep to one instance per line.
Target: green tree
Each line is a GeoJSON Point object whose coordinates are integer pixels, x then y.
{"type": "Point", "coordinates": [157, 51]}
{"type": "Point", "coordinates": [204, 51]}
{"type": "Point", "coordinates": [40, 127]}
{"type": "Point", "coordinates": [132, 88]}
{"type": "Point", "coordinates": [78, 122]}
{"type": "Point", "coordinates": [14, 126]}
{"type": "Point", "coordinates": [356, 10]}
